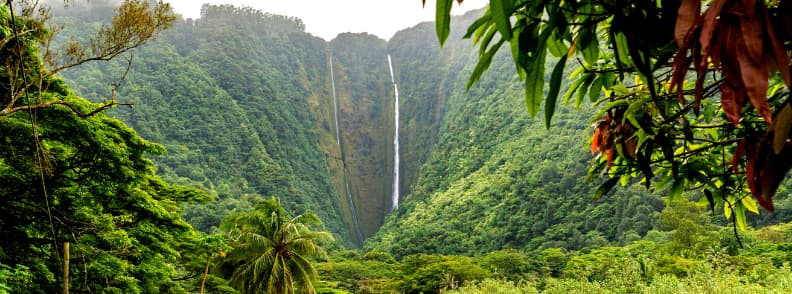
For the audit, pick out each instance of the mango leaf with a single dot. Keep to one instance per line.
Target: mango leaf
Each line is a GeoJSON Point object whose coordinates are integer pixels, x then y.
{"type": "Point", "coordinates": [443, 20]}
{"type": "Point", "coordinates": [571, 90]}
{"type": "Point", "coordinates": [555, 87]}
{"type": "Point", "coordinates": [483, 64]}
{"type": "Point", "coordinates": [485, 40]}
{"type": "Point", "coordinates": [594, 91]}
{"type": "Point", "coordinates": [484, 19]}
{"type": "Point", "coordinates": [534, 82]}
{"type": "Point", "coordinates": [605, 187]}
{"type": "Point", "coordinates": [583, 89]}
{"type": "Point", "coordinates": [556, 46]}
{"type": "Point", "coordinates": [750, 204]}
{"type": "Point", "coordinates": [620, 49]}
{"type": "Point", "coordinates": [727, 210]}
{"type": "Point", "coordinates": [588, 44]}
{"type": "Point", "coordinates": [739, 216]}
{"type": "Point", "coordinates": [501, 12]}
{"type": "Point", "coordinates": [686, 17]}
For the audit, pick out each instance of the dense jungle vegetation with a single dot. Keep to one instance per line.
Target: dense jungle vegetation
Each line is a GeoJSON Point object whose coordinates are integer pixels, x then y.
{"type": "Point", "coordinates": [207, 158]}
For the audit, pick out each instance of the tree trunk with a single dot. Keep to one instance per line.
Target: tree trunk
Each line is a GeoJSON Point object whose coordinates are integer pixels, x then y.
{"type": "Point", "coordinates": [206, 272]}
{"type": "Point", "coordinates": [65, 267]}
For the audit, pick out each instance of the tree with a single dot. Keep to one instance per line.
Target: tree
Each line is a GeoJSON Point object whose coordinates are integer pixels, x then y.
{"type": "Point", "coordinates": [69, 173]}
{"type": "Point", "coordinates": [26, 77]}
{"type": "Point", "coordinates": [693, 132]}
{"type": "Point", "coordinates": [272, 250]}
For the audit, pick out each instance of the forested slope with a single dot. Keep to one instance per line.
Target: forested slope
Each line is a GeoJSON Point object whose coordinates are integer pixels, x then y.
{"type": "Point", "coordinates": [243, 102]}
{"type": "Point", "coordinates": [496, 178]}
{"type": "Point", "coordinates": [228, 95]}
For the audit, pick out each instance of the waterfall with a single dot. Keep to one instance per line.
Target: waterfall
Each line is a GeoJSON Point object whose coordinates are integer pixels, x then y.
{"type": "Point", "coordinates": [335, 103]}
{"type": "Point", "coordinates": [354, 211]}
{"type": "Point", "coordinates": [395, 138]}
{"type": "Point", "coordinates": [341, 150]}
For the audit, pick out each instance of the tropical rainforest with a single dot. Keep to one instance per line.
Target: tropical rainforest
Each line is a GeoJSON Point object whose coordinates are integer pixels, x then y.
{"type": "Point", "coordinates": [144, 152]}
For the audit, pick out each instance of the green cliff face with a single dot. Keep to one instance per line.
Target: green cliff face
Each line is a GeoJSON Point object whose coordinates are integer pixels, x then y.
{"type": "Point", "coordinates": [365, 104]}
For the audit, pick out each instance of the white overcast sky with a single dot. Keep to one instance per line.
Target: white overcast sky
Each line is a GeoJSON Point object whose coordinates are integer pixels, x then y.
{"type": "Point", "coordinates": [328, 18]}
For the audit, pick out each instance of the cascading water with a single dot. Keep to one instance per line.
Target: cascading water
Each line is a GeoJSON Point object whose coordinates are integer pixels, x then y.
{"type": "Point", "coordinates": [395, 138]}
{"type": "Point", "coordinates": [335, 103]}
{"type": "Point", "coordinates": [338, 140]}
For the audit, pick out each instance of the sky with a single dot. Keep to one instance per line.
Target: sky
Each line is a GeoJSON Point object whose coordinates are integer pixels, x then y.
{"type": "Point", "coordinates": [328, 18]}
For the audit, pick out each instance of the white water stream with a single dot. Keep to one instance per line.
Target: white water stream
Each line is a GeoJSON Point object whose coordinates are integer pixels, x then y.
{"type": "Point", "coordinates": [335, 103]}
{"type": "Point", "coordinates": [346, 175]}
{"type": "Point", "coordinates": [395, 138]}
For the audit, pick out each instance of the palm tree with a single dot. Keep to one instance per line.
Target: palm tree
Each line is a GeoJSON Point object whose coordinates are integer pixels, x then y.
{"type": "Point", "coordinates": [271, 250]}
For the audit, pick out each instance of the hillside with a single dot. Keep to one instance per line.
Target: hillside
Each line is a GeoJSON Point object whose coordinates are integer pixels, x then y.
{"type": "Point", "coordinates": [248, 105]}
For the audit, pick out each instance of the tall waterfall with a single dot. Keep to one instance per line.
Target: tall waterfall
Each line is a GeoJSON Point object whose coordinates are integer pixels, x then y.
{"type": "Point", "coordinates": [395, 138]}
{"type": "Point", "coordinates": [335, 103]}
{"type": "Point", "coordinates": [341, 150]}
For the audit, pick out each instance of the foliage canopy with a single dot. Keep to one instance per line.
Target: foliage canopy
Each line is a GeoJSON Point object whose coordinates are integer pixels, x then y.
{"type": "Point", "coordinates": [722, 131]}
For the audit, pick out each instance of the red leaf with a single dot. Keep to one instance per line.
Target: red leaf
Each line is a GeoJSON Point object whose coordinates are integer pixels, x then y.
{"type": "Point", "coordinates": [755, 79]}
{"type": "Point", "coordinates": [710, 19]}
{"type": "Point", "coordinates": [686, 18]}
{"type": "Point", "coordinates": [681, 62]}
{"type": "Point", "coordinates": [752, 31]}
{"type": "Point", "coordinates": [731, 102]}
{"type": "Point", "coordinates": [628, 141]}
{"type": "Point", "coordinates": [701, 75]}
{"type": "Point", "coordinates": [595, 140]}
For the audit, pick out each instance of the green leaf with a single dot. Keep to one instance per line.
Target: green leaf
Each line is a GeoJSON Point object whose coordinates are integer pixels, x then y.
{"type": "Point", "coordinates": [555, 87]}
{"type": "Point", "coordinates": [485, 41]}
{"type": "Point", "coordinates": [588, 44]}
{"type": "Point", "coordinates": [534, 82]}
{"type": "Point", "coordinates": [572, 88]}
{"type": "Point", "coordinates": [620, 44]}
{"type": "Point", "coordinates": [750, 204]}
{"type": "Point", "coordinates": [483, 64]}
{"type": "Point", "coordinates": [605, 187]}
{"type": "Point", "coordinates": [501, 12]}
{"type": "Point", "coordinates": [676, 191]}
{"type": "Point", "coordinates": [581, 92]}
{"type": "Point", "coordinates": [596, 88]}
{"type": "Point", "coordinates": [484, 19]}
{"type": "Point", "coordinates": [631, 113]}
{"type": "Point", "coordinates": [443, 20]}
{"type": "Point", "coordinates": [556, 46]}
{"type": "Point", "coordinates": [520, 56]}
{"type": "Point", "coordinates": [739, 215]}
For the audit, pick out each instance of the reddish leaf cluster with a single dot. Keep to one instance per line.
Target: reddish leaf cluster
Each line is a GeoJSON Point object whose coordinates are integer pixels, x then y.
{"type": "Point", "coordinates": [739, 37]}
{"type": "Point", "coordinates": [768, 158]}
{"type": "Point", "coordinates": [609, 133]}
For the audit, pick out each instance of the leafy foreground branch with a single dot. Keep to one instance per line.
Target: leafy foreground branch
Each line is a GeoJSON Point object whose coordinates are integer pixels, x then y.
{"type": "Point", "coordinates": [27, 76]}
{"type": "Point", "coordinates": [734, 111]}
